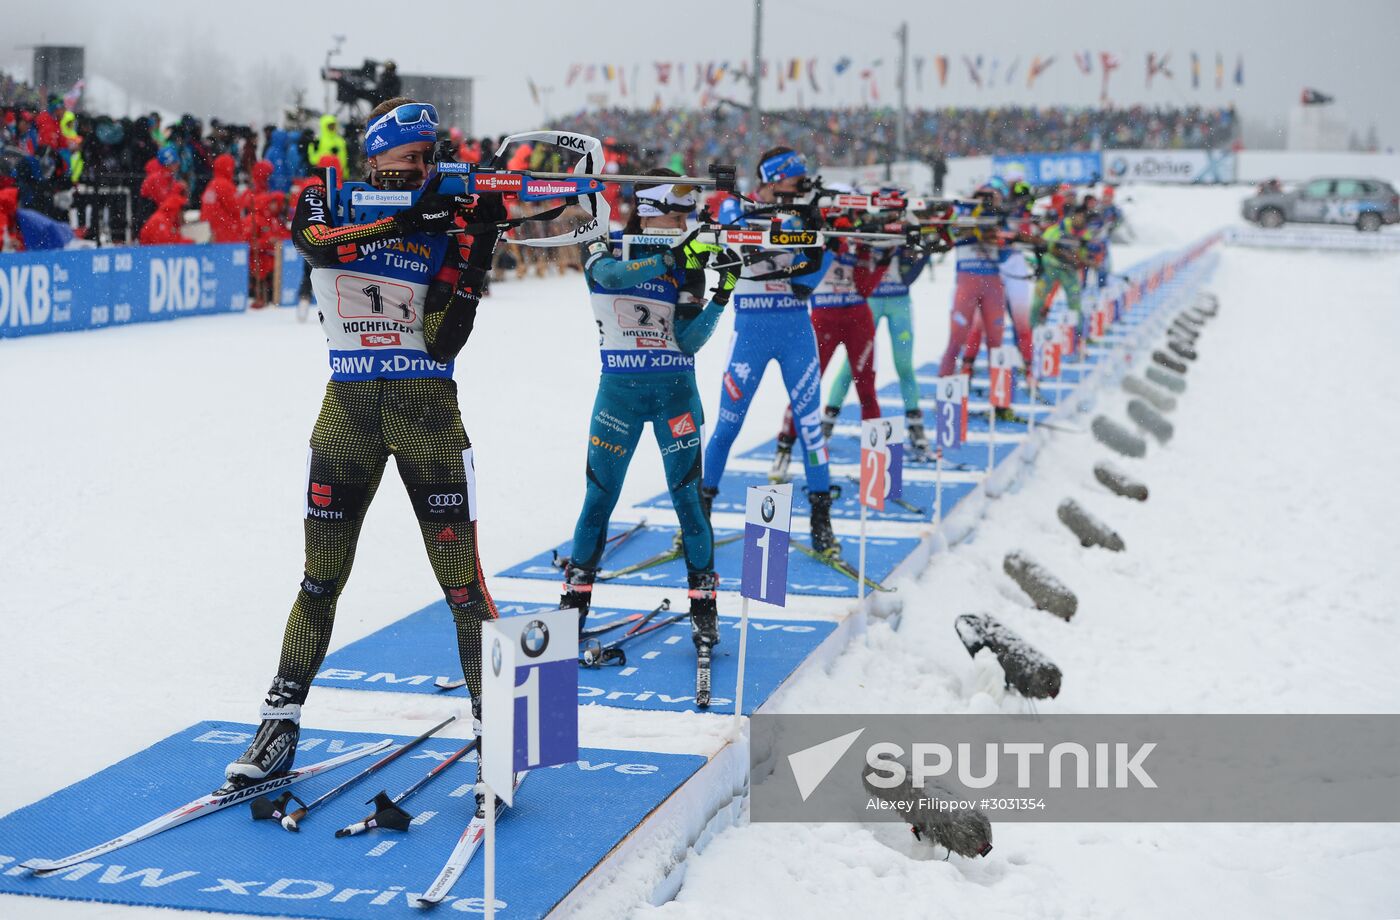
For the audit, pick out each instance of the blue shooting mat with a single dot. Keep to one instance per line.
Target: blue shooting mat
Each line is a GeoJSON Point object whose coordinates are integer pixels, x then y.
{"type": "Point", "coordinates": [976, 422]}
{"type": "Point", "coordinates": [565, 821]}
{"type": "Point", "coordinates": [735, 484]}
{"type": "Point", "coordinates": [805, 574]}
{"type": "Point", "coordinates": [408, 656]}
{"type": "Point", "coordinates": [845, 449]}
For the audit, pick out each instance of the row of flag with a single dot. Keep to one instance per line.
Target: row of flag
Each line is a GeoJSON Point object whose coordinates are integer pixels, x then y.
{"type": "Point", "coordinates": [983, 71]}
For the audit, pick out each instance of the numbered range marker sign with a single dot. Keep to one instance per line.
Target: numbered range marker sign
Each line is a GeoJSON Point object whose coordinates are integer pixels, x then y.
{"type": "Point", "coordinates": [529, 695]}
{"type": "Point", "coordinates": [999, 372]}
{"type": "Point", "coordinates": [767, 525]}
{"type": "Point", "coordinates": [874, 464]}
{"type": "Point", "coordinates": [1069, 339]}
{"type": "Point", "coordinates": [950, 411]}
{"type": "Point", "coordinates": [1047, 352]}
{"type": "Point", "coordinates": [894, 446]}
{"type": "Point", "coordinates": [1097, 323]}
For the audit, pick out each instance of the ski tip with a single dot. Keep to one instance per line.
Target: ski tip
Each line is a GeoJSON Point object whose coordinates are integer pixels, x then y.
{"type": "Point", "coordinates": [36, 865]}
{"type": "Point", "coordinates": [444, 683]}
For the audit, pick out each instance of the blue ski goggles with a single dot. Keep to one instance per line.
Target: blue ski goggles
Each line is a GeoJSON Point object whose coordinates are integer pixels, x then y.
{"type": "Point", "coordinates": [411, 123]}
{"type": "Point", "coordinates": [782, 166]}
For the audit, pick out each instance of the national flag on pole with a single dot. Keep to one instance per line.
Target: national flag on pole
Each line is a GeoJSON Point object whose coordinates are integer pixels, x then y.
{"type": "Point", "coordinates": [974, 71]}
{"type": "Point", "coordinates": [663, 72]}
{"type": "Point", "coordinates": [919, 72]}
{"type": "Point", "coordinates": [534, 90]}
{"type": "Point", "coordinates": [843, 63]}
{"type": "Point", "coordinates": [794, 69]}
{"type": "Point", "coordinates": [1219, 70]}
{"type": "Point", "coordinates": [1011, 71]}
{"type": "Point", "coordinates": [1037, 68]}
{"type": "Point", "coordinates": [592, 72]}
{"type": "Point", "coordinates": [1084, 61]}
{"type": "Point", "coordinates": [1107, 65]}
{"type": "Point", "coordinates": [1156, 65]}
{"type": "Point", "coordinates": [940, 63]}
{"type": "Point", "coordinates": [812, 75]}
{"type": "Point", "coordinates": [1195, 71]}
{"type": "Point", "coordinates": [1239, 70]}
{"type": "Point", "coordinates": [574, 71]}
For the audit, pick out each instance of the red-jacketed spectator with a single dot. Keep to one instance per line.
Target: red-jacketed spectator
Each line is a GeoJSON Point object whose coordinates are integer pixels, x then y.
{"type": "Point", "coordinates": [219, 203]}
{"type": "Point", "coordinates": [163, 228]}
{"type": "Point", "coordinates": [247, 201]}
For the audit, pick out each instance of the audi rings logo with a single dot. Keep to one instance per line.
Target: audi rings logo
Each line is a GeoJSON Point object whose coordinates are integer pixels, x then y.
{"type": "Point", "coordinates": [535, 639]}
{"type": "Point", "coordinates": [446, 500]}
{"type": "Point", "coordinates": [496, 657]}
{"type": "Point", "coordinates": [769, 509]}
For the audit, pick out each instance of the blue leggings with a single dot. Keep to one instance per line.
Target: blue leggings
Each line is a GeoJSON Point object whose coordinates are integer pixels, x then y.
{"type": "Point", "coordinates": [625, 403]}
{"type": "Point", "coordinates": [785, 337]}
{"type": "Point", "coordinates": [897, 312]}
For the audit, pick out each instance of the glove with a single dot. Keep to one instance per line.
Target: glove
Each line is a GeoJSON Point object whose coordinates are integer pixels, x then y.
{"type": "Point", "coordinates": [695, 252]}
{"type": "Point", "coordinates": [432, 212]}
{"type": "Point", "coordinates": [728, 264]}
{"type": "Point", "coordinates": [484, 209]}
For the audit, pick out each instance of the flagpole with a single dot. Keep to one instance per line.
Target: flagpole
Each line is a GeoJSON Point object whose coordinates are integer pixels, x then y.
{"type": "Point", "coordinates": [756, 78]}
{"type": "Point", "coordinates": [900, 124]}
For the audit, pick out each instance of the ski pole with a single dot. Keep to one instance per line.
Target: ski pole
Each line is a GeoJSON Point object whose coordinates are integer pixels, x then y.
{"type": "Point", "coordinates": [277, 808]}
{"type": "Point", "coordinates": [387, 812]}
{"type": "Point", "coordinates": [595, 655]}
{"type": "Point", "coordinates": [611, 544]}
{"type": "Point", "coordinates": [597, 631]}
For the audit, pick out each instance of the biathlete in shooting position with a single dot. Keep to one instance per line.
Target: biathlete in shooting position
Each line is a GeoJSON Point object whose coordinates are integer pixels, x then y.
{"type": "Point", "coordinates": [841, 316]}
{"type": "Point", "coordinates": [651, 322]}
{"type": "Point", "coordinates": [891, 303]}
{"type": "Point", "coordinates": [771, 324]}
{"type": "Point", "coordinates": [978, 292]}
{"type": "Point", "coordinates": [397, 299]}
{"type": "Point", "coordinates": [1066, 255]}
{"type": "Point", "coordinates": [1018, 277]}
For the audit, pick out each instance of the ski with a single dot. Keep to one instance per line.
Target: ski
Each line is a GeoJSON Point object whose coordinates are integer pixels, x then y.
{"type": "Point", "coordinates": [702, 676]}
{"type": "Point", "coordinates": [267, 807]}
{"type": "Point", "coordinates": [217, 800]}
{"type": "Point", "coordinates": [670, 555]}
{"type": "Point", "coordinates": [461, 855]}
{"type": "Point", "coordinates": [596, 655]}
{"type": "Point", "coordinates": [839, 564]}
{"type": "Point", "coordinates": [906, 505]}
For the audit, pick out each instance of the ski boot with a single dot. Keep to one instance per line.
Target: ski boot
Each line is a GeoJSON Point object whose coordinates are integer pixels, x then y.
{"type": "Point", "coordinates": [829, 416]}
{"type": "Point", "coordinates": [578, 591]}
{"type": "Point", "coordinates": [274, 747]}
{"type": "Point", "coordinates": [479, 795]}
{"type": "Point", "coordinates": [920, 451]}
{"type": "Point", "coordinates": [782, 460]}
{"type": "Point", "coordinates": [704, 631]}
{"type": "Point", "coordinates": [823, 539]}
{"type": "Point", "coordinates": [704, 616]}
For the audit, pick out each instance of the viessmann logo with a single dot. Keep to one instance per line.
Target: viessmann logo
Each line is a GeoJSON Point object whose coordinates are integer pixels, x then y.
{"type": "Point", "coordinates": [485, 182]}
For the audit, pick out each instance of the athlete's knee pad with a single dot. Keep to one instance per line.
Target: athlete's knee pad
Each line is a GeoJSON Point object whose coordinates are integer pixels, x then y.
{"type": "Point", "coordinates": [464, 598]}
{"type": "Point", "coordinates": [319, 589]}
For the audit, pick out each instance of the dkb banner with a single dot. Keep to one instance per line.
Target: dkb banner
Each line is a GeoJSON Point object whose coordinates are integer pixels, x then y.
{"type": "Point", "coordinates": [75, 289]}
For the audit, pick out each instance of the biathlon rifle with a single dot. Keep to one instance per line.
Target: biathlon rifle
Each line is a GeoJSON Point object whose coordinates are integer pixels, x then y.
{"type": "Point", "coordinates": [357, 202]}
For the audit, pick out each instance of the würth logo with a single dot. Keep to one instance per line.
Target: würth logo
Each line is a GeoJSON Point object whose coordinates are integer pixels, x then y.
{"type": "Point", "coordinates": [320, 495]}
{"type": "Point", "coordinates": [682, 425]}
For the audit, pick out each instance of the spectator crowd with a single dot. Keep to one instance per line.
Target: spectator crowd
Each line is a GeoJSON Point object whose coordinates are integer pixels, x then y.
{"type": "Point", "coordinates": [864, 136]}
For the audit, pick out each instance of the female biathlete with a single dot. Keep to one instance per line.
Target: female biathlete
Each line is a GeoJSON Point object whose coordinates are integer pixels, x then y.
{"type": "Point", "coordinates": [650, 324]}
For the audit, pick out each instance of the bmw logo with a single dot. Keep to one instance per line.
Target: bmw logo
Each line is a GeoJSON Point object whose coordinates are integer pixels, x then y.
{"type": "Point", "coordinates": [1118, 167]}
{"type": "Point", "coordinates": [535, 639]}
{"type": "Point", "coordinates": [496, 657]}
{"type": "Point", "coordinates": [889, 430]}
{"type": "Point", "coordinates": [874, 436]}
{"type": "Point", "coordinates": [769, 509]}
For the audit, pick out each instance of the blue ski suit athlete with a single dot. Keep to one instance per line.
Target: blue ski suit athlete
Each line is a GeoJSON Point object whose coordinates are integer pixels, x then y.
{"type": "Point", "coordinates": [649, 328]}
{"type": "Point", "coordinates": [771, 324]}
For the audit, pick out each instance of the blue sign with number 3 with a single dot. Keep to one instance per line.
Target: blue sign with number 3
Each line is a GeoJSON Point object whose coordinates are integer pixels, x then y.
{"type": "Point", "coordinates": [948, 412]}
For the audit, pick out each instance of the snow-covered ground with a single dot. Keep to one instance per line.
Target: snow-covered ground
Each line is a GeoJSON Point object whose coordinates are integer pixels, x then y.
{"type": "Point", "coordinates": [151, 545]}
